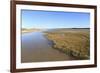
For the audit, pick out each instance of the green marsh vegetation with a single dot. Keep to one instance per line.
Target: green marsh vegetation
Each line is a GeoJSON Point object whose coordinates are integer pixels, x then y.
{"type": "Point", "coordinates": [73, 42]}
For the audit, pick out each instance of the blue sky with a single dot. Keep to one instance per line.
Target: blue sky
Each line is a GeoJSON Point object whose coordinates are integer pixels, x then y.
{"type": "Point", "coordinates": [53, 19]}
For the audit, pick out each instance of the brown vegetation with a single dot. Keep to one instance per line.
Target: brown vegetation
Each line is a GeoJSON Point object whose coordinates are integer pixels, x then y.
{"type": "Point", "coordinates": [74, 43]}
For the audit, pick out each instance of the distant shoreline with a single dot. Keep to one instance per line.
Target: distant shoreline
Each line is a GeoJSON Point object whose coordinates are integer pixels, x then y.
{"type": "Point", "coordinates": [56, 29]}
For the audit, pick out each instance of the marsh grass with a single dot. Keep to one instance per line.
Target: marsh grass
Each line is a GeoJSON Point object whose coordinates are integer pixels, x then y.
{"type": "Point", "coordinates": [74, 43]}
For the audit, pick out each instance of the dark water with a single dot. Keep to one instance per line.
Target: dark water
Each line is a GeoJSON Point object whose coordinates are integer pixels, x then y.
{"type": "Point", "coordinates": [36, 48]}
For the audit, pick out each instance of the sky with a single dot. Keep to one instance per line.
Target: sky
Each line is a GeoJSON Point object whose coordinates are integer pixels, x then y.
{"type": "Point", "coordinates": [53, 19]}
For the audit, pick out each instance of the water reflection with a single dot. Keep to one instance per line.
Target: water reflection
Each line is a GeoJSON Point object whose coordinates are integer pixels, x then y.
{"type": "Point", "coordinates": [37, 48]}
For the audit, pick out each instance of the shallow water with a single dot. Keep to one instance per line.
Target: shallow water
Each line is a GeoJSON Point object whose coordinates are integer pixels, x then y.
{"type": "Point", "coordinates": [37, 48]}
